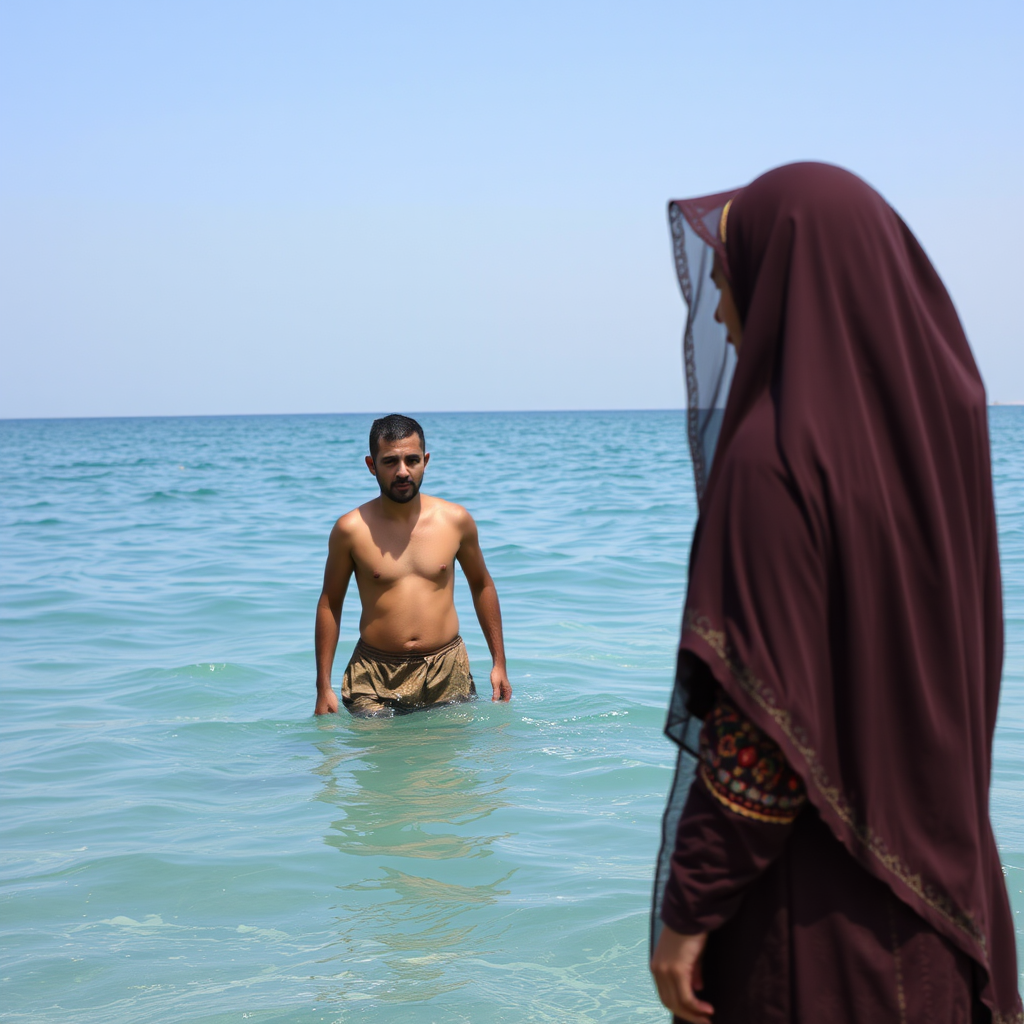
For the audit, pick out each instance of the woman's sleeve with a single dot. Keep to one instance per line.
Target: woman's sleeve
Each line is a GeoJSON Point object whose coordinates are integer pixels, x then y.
{"type": "Point", "coordinates": [737, 818]}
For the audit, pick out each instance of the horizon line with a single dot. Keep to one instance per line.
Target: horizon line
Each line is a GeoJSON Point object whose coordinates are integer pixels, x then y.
{"type": "Point", "coordinates": [245, 415]}
{"type": "Point", "coordinates": [434, 412]}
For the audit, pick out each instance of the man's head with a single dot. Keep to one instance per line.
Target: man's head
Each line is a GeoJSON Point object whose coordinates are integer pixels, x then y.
{"type": "Point", "coordinates": [397, 457]}
{"type": "Point", "coordinates": [394, 428]}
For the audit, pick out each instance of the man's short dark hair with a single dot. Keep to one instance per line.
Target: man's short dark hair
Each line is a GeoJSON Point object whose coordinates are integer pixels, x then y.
{"type": "Point", "coordinates": [394, 428]}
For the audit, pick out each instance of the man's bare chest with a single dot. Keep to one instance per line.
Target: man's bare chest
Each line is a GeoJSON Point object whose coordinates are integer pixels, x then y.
{"type": "Point", "coordinates": [385, 557]}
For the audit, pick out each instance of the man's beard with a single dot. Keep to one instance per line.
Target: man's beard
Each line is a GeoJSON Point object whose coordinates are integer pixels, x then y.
{"type": "Point", "coordinates": [404, 496]}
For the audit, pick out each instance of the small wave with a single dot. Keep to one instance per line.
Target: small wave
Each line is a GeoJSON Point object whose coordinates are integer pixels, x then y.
{"type": "Point", "coordinates": [273, 934]}
{"type": "Point", "coordinates": [151, 921]}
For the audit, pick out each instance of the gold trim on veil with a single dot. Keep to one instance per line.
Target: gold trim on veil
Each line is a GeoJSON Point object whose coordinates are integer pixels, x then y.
{"type": "Point", "coordinates": [724, 218]}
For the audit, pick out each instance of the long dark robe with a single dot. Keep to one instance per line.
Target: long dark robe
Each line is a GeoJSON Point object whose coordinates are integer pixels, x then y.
{"type": "Point", "coordinates": [844, 593]}
{"type": "Point", "coordinates": [800, 932]}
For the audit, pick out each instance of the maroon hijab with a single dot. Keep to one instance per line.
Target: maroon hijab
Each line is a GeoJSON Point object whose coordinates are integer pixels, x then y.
{"type": "Point", "coordinates": [844, 578]}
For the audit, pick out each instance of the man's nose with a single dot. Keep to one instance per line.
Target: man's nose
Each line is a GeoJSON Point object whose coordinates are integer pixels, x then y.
{"type": "Point", "coordinates": [718, 312]}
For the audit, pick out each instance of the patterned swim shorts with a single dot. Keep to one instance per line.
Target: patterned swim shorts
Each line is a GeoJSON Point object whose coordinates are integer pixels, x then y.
{"type": "Point", "coordinates": [380, 683]}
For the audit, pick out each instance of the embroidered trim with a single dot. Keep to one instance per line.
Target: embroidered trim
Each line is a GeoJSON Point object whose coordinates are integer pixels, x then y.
{"type": "Point", "coordinates": [700, 626]}
{"type": "Point", "coordinates": [901, 1000]}
{"type": "Point", "coordinates": [745, 770]}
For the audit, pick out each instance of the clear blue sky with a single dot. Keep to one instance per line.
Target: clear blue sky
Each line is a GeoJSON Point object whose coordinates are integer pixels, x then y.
{"type": "Point", "coordinates": [226, 207]}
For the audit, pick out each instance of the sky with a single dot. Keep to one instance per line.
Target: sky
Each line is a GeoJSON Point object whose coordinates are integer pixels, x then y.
{"type": "Point", "coordinates": [252, 207]}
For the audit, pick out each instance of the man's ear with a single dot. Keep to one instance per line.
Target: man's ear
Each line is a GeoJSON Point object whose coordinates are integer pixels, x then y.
{"type": "Point", "coordinates": [426, 459]}
{"type": "Point", "coordinates": [370, 466]}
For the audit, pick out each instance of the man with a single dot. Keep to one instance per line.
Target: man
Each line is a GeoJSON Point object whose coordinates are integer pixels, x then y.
{"type": "Point", "coordinates": [402, 547]}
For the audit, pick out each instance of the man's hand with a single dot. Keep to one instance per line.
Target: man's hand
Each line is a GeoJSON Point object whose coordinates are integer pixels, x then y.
{"type": "Point", "coordinates": [326, 703]}
{"type": "Point", "coordinates": [500, 685]}
{"type": "Point", "coordinates": [676, 969]}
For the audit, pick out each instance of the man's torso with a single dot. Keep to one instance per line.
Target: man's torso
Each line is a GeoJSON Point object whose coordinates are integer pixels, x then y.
{"type": "Point", "coordinates": [406, 576]}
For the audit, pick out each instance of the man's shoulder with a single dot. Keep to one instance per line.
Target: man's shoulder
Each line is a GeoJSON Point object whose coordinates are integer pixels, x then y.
{"type": "Point", "coordinates": [354, 522]}
{"type": "Point", "coordinates": [446, 511]}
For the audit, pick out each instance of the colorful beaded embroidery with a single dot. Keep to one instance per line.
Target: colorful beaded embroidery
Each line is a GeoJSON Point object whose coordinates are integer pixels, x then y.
{"type": "Point", "coordinates": [745, 770]}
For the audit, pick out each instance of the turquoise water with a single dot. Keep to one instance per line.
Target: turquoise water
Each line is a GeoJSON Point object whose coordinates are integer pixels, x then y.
{"type": "Point", "coordinates": [183, 841]}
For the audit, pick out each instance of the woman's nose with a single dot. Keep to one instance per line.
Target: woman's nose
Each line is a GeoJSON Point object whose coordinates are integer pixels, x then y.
{"type": "Point", "coordinates": [718, 312]}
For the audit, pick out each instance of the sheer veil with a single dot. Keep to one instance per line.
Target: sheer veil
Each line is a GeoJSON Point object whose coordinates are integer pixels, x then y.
{"type": "Point", "coordinates": [709, 361]}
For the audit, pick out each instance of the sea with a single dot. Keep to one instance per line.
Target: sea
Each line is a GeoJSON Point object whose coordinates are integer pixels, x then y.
{"type": "Point", "coordinates": [183, 841]}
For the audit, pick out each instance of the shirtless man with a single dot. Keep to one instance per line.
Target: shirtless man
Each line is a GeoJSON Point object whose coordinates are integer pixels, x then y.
{"type": "Point", "coordinates": [402, 548]}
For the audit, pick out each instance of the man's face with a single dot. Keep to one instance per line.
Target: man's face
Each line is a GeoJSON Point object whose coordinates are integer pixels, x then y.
{"type": "Point", "coordinates": [399, 468]}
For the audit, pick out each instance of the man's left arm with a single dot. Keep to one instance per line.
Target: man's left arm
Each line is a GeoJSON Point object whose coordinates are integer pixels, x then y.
{"type": "Point", "coordinates": [485, 601]}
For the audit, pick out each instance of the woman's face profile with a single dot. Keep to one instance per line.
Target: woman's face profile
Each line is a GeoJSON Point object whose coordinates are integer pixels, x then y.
{"type": "Point", "coordinates": [727, 313]}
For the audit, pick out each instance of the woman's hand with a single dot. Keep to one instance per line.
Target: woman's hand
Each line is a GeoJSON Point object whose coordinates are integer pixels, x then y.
{"type": "Point", "coordinates": [676, 969]}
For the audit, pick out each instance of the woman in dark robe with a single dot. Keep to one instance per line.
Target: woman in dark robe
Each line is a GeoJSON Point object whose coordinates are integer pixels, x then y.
{"type": "Point", "coordinates": [829, 855]}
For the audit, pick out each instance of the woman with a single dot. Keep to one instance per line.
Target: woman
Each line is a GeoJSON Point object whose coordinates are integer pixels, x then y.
{"type": "Point", "coordinates": [841, 651]}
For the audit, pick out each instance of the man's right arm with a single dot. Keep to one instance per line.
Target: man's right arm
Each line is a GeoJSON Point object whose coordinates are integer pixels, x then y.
{"type": "Point", "coordinates": [337, 573]}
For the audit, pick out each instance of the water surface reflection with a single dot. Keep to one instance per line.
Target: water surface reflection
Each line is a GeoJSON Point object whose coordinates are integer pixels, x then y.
{"type": "Point", "coordinates": [421, 891]}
